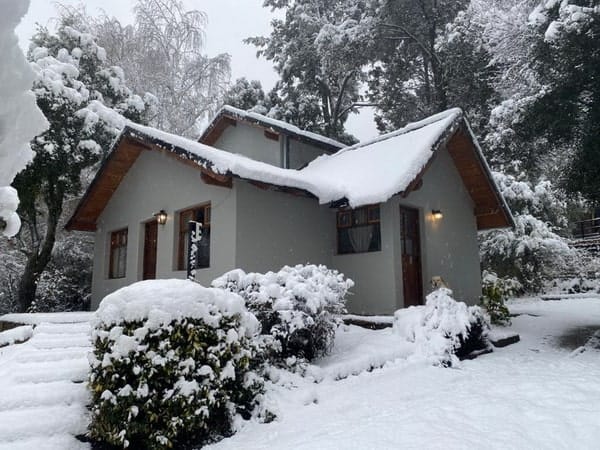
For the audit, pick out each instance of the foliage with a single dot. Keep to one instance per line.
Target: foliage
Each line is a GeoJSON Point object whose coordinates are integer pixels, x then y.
{"type": "Point", "coordinates": [409, 78]}
{"type": "Point", "coordinates": [532, 252]}
{"type": "Point", "coordinates": [85, 101]}
{"type": "Point", "coordinates": [169, 380]}
{"type": "Point", "coordinates": [298, 306]}
{"type": "Point", "coordinates": [495, 292]}
{"type": "Point", "coordinates": [247, 95]}
{"type": "Point", "coordinates": [162, 52]}
{"type": "Point", "coordinates": [318, 52]}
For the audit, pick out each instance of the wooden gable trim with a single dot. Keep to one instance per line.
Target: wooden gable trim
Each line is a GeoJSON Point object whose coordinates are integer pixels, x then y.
{"type": "Point", "coordinates": [124, 154]}
{"type": "Point", "coordinates": [272, 135]}
{"type": "Point", "coordinates": [216, 129]}
{"type": "Point", "coordinates": [104, 185]}
{"type": "Point", "coordinates": [490, 210]}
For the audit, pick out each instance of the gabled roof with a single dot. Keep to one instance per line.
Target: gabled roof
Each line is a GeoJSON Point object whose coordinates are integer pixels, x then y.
{"type": "Point", "coordinates": [229, 116]}
{"type": "Point", "coordinates": [366, 173]}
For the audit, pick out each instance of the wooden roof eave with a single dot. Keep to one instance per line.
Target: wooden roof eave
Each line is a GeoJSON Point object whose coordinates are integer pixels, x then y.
{"type": "Point", "coordinates": [86, 214]}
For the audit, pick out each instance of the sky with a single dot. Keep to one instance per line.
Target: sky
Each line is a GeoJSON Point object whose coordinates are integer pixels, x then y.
{"type": "Point", "coordinates": [229, 23]}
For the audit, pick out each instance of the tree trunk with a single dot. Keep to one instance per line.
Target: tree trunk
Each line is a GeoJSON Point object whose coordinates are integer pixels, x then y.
{"type": "Point", "coordinates": [39, 258]}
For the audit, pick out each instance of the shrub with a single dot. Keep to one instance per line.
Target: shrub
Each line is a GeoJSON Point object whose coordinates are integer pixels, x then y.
{"type": "Point", "coordinates": [495, 291]}
{"type": "Point", "coordinates": [172, 365]}
{"type": "Point", "coordinates": [297, 306]}
{"type": "Point", "coordinates": [443, 329]}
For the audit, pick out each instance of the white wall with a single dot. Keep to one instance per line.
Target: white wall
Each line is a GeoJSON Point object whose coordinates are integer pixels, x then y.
{"type": "Point", "coordinates": [300, 153]}
{"type": "Point", "coordinates": [449, 246]}
{"type": "Point", "coordinates": [250, 141]}
{"type": "Point", "coordinates": [157, 181]}
{"type": "Point", "coordinates": [276, 229]}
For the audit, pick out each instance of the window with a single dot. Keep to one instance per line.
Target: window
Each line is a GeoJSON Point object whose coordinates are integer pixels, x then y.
{"type": "Point", "coordinates": [359, 230]}
{"type": "Point", "coordinates": [118, 254]}
{"type": "Point", "coordinates": [198, 214]}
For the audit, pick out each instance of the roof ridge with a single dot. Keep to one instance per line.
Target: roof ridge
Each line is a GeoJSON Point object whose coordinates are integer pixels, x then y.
{"type": "Point", "coordinates": [283, 125]}
{"type": "Point", "coordinates": [409, 127]}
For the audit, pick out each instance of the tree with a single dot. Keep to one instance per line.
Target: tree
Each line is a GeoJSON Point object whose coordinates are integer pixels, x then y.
{"type": "Point", "coordinates": [161, 52]}
{"type": "Point", "coordinates": [85, 101]}
{"type": "Point", "coordinates": [247, 95]}
{"type": "Point", "coordinates": [532, 252]}
{"type": "Point", "coordinates": [409, 77]}
{"type": "Point", "coordinates": [318, 51]}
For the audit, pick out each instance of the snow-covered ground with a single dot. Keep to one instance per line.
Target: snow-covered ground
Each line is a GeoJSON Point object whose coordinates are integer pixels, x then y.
{"type": "Point", "coordinates": [534, 394]}
{"type": "Point", "coordinates": [543, 392]}
{"type": "Point", "coordinates": [42, 394]}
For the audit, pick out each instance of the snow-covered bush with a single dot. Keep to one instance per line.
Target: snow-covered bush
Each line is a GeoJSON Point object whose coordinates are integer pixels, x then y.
{"type": "Point", "coordinates": [443, 329]}
{"type": "Point", "coordinates": [172, 365]}
{"type": "Point", "coordinates": [532, 252]}
{"type": "Point", "coordinates": [495, 291]}
{"type": "Point", "coordinates": [298, 306]}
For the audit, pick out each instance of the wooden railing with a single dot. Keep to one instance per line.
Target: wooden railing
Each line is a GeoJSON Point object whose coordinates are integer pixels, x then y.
{"type": "Point", "coordinates": [587, 229]}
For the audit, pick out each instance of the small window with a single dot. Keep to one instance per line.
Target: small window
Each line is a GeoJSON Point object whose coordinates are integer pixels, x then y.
{"type": "Point", "coordinates": [118, 254]}
{"type": "Point", "coordinates": [359, 230]}
{"type": "Point", "coordinates": [198, 214]}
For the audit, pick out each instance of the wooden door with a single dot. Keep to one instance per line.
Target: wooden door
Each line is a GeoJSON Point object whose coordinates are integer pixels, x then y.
{"type": "Point", "coordinates": [150, 239]}
{"type": "Point", "coordinates": [411, 256]}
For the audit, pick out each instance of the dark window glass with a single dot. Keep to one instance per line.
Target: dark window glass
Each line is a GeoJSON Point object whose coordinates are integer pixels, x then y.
{"type": "Point", "coordinates": [118, 254]}
{"type": "Point", "coordinates": [359, 230]}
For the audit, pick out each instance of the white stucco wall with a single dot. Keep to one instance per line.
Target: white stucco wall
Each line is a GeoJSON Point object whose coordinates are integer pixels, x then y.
{"type": "Point", "coordinates": [157, 181]}
{"type": "Point", "coordinates": [301, 153]}
{"type": "Point", "coordinates": [449, 246]}
{"type": "Point", "coordinates": [261, 230]}
{"type": "Point", "coordinates": [276, 229]}
{"type": "Point", "coordinates": [250, 141]}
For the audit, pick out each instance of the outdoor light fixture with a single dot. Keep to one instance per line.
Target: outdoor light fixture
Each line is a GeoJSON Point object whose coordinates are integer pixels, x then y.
{"type": "Point", "coordinates": [161, 217]}
{"type": "Point", "coordinates": [436, 214]}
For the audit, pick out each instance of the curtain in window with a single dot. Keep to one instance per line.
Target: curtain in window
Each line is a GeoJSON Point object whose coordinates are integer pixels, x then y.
{"type": "Point", "coordinates": [360, 238]}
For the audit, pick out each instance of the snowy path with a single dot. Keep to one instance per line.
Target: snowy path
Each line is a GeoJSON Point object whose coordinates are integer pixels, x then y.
{"type": "Point", "coordinates": [43, 395]}
{"type": "Point", "coordinates": [531, 395]}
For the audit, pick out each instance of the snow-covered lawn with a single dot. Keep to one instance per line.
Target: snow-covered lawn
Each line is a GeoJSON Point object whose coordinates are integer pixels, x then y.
{"type": "Point", "coordinates": [542, 392]}
{"type": "Point", "coordinates": [42, 394]}
{"type": "Point", "coordinates": [533, 394]}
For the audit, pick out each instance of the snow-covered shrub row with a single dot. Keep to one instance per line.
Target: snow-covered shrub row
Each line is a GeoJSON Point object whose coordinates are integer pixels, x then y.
{"type": "Point", "coordinates": [495, 292]}
{"type": "Point", "coordinates": [443, 329]}
{"type": "Point", "coordinates": [298, 306]}
{"type": "Point", "coordinates": [172, 365]}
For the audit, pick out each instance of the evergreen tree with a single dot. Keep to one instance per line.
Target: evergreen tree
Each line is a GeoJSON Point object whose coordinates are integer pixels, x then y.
{"type": "Point", "coordinates": [85, 101]}
{"type": "Point", "coordinates": [318, 50]}
{"type": "Point", "coordinates": [409, 77]}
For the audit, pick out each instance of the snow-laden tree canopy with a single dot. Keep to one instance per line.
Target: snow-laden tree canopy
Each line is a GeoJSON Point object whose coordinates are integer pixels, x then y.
{"type": "Point", "coordinates": [20, 118]}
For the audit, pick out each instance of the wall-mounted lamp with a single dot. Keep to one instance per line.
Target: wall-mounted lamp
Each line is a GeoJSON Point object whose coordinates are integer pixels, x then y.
{"type": "Point", "coordinates": [161, 217]}
{"type": "Point", "coordinates": [436, 214]}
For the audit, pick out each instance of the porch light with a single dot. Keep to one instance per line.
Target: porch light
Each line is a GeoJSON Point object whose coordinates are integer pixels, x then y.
{"type": "Point", "coordinates": [436, 214]}
{"type": "Point", "coordinates": [161, 217]}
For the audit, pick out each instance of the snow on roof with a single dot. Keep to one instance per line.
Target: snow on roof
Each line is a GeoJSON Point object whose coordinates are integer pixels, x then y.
{"type": "Point", "coordinates": [274, 124]}
{"type": "Point", "coordinates": [369, 172]}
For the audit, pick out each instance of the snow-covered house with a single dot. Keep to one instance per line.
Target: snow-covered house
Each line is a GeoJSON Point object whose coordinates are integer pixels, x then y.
{"type": "Point", "coordinates": [392, 213]}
